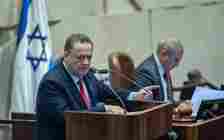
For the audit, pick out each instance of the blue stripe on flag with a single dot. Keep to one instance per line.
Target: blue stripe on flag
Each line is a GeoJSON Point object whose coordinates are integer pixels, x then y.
{"type": "Point", "coordinates": [23, 20]}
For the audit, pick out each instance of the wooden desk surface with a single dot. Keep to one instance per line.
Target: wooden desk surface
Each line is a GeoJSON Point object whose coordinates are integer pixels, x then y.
{"type": "Point", "coordinates": [211, 129]}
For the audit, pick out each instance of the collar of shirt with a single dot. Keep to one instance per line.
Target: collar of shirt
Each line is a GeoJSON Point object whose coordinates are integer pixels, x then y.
{"type": "Point", "coordinates": [159, 65]}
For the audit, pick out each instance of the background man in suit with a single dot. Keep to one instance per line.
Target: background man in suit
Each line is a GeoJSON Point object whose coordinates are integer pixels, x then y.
{"type": "Point", "coordinates": [155, 70]}
{"type": "Point", "coordinates": [195, 79]}
{"type": "Point", "coordinates": [71, 85]}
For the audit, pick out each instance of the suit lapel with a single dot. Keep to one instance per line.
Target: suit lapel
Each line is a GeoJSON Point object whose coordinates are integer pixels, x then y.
{"type": "Point", "coordinates": [73, 91]}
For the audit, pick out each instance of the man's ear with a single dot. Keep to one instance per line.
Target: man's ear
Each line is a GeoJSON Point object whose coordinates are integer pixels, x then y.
{"type": "Point", "coordinates": [163, 55]}
{"type": "Point", "coordinates": [66, 53]}
{"type": "Point", "coordinates": [164, 52]}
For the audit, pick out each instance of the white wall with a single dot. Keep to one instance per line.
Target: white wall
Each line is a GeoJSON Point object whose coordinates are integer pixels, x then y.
{"type": "Point", "coordinates": [200, 28]}
{"type": "Point", "coordinates": [8, 12]}
{"type": "Point", "coordinates": [124, 6]}
{"type": "Point", "coordinates": [130, 33]}
{"type": "Point", "coordinates": [6, 60]}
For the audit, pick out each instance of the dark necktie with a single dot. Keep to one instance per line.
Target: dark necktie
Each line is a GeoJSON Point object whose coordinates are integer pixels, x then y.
{"type": "Point", "coordinates": [168, 78]}
{"type": "Point", "coordinates": [83, 94]}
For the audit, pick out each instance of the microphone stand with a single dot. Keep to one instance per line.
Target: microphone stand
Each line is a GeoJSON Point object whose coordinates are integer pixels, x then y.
{"type": "Point", "coordinates": [128, 79]}
{"type": "Point", "coordinates": [134, 82]}
{"type": "Point", "coordinates": [119, 99]}
{"type": "Point", "coordinates": [104, 71]}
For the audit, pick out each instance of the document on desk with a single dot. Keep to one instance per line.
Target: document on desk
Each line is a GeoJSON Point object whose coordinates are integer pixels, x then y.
{"type": "Point", "coordinates": [200, 94]}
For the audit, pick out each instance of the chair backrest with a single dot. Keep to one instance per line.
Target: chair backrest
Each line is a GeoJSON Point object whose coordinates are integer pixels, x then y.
{"type": "Point", "coordinates": [122, 69]}
{"type": "Point", "coordinates": [23, 116]}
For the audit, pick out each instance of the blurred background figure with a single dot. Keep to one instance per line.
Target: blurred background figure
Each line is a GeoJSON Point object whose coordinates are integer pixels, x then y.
{"type": "Point", "coordinates": [195, 78]}
{"type": "Point", "coordinates": [122, 70]}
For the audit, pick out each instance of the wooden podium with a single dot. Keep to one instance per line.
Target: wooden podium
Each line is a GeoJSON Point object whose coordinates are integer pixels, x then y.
{"type": "Point", "coordinates": [211, 129]}
{"type": "Point", "coordinates": [149, 121]}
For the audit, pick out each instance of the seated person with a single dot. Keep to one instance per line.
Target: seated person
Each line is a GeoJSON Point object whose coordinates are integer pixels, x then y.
{"type": "Point", "coordinates": [122, 70]}
{"type": "Point", "coordinates": [156, 69]}
{"type": "Point", "coordinates": [195, 79]}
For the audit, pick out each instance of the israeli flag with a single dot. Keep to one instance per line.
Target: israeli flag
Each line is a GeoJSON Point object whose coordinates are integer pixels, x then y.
{"type": "Point", "coordinates": [32, 55]}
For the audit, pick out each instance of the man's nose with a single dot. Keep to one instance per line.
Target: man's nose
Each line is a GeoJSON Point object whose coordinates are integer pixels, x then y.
{"type": "Point", "coordinates": [86, 60]}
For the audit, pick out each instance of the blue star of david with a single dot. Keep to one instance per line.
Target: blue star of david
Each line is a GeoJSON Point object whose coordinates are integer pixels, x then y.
{"type": "Point", "coordinates": [35, 61]}
{"type": "Point", "coordinates": [37, 35]}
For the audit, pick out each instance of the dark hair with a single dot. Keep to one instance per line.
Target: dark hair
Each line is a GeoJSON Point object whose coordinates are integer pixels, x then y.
{"type": "Point", "coordinates": [75, 38]}
{"type": "Point", "coordinates": [123, 59]}
{"type": "Point", "coordinates": [194, 74]}
{"type": "Point", "coordinates": [121, 63]}
{"type": "Point", "coordinates": [171, 44]}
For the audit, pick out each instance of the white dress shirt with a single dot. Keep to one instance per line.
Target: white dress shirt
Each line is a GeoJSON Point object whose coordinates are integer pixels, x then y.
{"type": "Point", "coordinates": [161, 74]}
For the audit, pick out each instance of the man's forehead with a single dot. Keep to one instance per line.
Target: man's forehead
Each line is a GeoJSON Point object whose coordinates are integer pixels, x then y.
{"type": "Point", "coordinates": [82, 45]}
{"type": "Point", "coordinates": [82, 49]}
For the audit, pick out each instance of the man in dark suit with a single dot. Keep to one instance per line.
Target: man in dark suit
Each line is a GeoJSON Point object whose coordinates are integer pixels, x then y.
{"type": "Point", "coordinates": [70, 85]}
{"type": "Point", "coordinates": [155, 70]}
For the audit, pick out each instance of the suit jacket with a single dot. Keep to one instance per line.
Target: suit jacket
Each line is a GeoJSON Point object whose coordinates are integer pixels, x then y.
{"type": "Point", "coordinates": [147, 73]}
{"type": "Point", "coordinates": [58, 93]}
{"type": "Point", "coordinates": [187, 93]}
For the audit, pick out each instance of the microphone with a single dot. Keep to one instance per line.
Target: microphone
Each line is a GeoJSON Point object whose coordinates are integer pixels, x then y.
{"type": "Point", "coordinates": [123, 105]}
{"type": "Point", "coordinates": [102, 71]}
{"type": "Point", "coordinates": [105, 71]}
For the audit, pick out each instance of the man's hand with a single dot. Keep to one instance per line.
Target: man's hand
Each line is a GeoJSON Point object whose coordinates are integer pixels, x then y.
{"type": "Point", "coordinates": [146, 93]}
{"type": "Point", "coordinates": [114, 109]}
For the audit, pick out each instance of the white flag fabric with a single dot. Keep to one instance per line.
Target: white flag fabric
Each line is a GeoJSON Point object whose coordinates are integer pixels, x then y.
{"type": "Point", "coordinates": [32, 56]}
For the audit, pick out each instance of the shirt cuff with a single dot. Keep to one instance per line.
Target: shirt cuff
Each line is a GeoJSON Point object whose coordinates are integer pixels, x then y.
{"type": "Point", "coordinates": [132, 96]}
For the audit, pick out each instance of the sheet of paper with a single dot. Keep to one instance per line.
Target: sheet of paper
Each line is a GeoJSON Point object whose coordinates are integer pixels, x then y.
{"type": "Point", "coordinates": [201, 94]}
